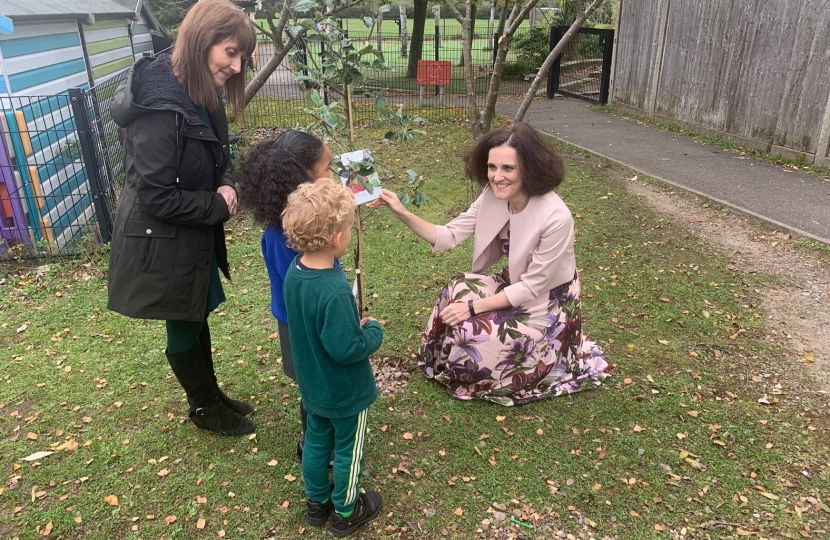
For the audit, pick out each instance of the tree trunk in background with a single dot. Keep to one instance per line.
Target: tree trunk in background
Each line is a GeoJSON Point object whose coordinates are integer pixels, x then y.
{"type": "Point", "coordinates": [404, 39]}
{"type": "Point", "coordinates": [379, 24]}
{"type": "Point", "coordinates": [472, 34]}
{"type": "Point", "coordinates": [416, 47]}
{"type": "Point", "coordinates": [502, 19]}
{"type": "Point", "coordinates": [490, 22]}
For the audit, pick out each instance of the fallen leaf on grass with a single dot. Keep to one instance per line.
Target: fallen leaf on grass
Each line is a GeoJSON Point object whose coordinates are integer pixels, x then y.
{"type": "Point", "coordinates": [637, 429]}
{"type": "Point", "coordinates": [36, 456]}
{"type": "Point", "coordinates": [500, 418]}
{"type": "Point", "coordinates": [164, 472]}
{"type": "Point", "coordinates": [170, 519]}
{"type": "Point", "coordinates": [200, 523]}
{"type": "Point", "coordinates": [111, 500]}
{"type": "Point", "coordinates": [273, 463]}
{"type": "Point", "coordinates": [408, 436]}
{"type": "Point", "coordinates": [770, 496]}
{"type": "Point", "coordinates": [290, 477]}
{"type": "Point", "coordinates": [459, 511]}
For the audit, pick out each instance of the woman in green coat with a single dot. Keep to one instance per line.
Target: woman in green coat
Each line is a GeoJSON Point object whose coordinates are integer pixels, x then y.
{"type": "Point", "coordinates": [168, 243]}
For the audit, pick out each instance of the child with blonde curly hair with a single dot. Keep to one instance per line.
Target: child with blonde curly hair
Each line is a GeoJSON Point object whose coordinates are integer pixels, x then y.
{"type": "Point", "coordinates": [331, 346]}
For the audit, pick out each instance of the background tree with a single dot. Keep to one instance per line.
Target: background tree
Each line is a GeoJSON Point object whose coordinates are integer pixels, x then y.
{"type": "Point", "coordinates": [416, 46]}
{"type": "Point", "coordinates": [542, 74]}
{"type": "Point", "coordinates": [404, 34]}
{"type": "Point", "coordinates": [482, 120]}
{"type": "Point", "coordinates": [170, 13]}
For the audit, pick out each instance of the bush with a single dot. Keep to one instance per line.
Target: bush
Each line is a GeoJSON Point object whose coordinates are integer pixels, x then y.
{"type": "Point", "coordinates": [532, 47]}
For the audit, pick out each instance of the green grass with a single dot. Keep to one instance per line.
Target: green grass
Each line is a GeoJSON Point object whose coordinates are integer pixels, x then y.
{"type": "Point", "coordinates": [727, 143]}
{"type": "Point", "coordinates": [682, 327]}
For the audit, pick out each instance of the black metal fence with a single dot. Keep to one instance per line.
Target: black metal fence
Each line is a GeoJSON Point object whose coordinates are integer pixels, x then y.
{"type": "Point", "coordinates": [60, 171]}
{"type": "Point", "coordinates": [280, 99]}
{"type": "Point", "coordinates": [583, 70]}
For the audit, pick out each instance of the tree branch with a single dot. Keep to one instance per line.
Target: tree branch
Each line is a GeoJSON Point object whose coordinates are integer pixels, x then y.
{"type": "Point", "coordinates": [551, 58]}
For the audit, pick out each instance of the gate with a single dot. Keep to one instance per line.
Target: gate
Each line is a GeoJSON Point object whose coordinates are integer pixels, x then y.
{"type": "Point", "coordinates": [583, 70]}
{"type": "Point", "coordinates": [101, 148]}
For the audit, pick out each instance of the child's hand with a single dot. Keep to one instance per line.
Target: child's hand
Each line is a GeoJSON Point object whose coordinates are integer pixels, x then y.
{"type": "Point", "coordinates": [364, 319]}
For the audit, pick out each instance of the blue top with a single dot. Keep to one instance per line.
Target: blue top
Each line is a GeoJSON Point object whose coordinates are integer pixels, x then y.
{"type": "Point", "coordinates": [278, 257]}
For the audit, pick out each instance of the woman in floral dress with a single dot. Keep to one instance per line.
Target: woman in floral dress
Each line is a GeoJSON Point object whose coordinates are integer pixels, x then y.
{"type": "Point", "coordinates": [515, 336]}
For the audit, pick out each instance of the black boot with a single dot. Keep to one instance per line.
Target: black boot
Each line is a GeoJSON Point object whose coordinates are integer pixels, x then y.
{"type": "Point", "coordinates": [240, 408]}
{"type": "Point", "coordinates": [207, 411]}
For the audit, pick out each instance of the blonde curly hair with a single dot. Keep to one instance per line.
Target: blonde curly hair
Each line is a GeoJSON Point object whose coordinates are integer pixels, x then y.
{"type": "Point", "coordinates": [315, 213]}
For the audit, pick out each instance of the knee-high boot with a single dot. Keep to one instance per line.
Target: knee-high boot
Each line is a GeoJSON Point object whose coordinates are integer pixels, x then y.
{"type": "Point", "coordinates": [207, 410]}
{"type": "Point", "coordinates": [236, 406]}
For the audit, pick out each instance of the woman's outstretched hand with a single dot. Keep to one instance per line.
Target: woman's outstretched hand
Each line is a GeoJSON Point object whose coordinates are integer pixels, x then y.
{"type": "Point", "coordinates": [390, 200]}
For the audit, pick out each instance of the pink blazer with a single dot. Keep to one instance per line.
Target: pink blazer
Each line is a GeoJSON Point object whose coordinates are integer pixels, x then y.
{"type": "Point", "coordinates": [541, 242]}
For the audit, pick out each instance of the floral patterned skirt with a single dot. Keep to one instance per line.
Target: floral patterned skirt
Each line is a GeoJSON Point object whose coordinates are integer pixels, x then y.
{"type": "Point", "coordinates": [514, 355]}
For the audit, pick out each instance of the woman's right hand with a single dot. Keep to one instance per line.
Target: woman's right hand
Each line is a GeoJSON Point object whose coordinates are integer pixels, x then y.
{"type": "Point", "coordinates": [390, 200]}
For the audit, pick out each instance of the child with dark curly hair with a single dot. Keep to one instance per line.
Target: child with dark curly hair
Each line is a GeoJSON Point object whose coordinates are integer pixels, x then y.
{"type": "Point", "coordinates": [272, 170]}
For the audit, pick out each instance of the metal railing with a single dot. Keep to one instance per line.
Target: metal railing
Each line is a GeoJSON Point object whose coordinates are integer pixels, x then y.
{"type": "Point", "coordinates": [583, 70]}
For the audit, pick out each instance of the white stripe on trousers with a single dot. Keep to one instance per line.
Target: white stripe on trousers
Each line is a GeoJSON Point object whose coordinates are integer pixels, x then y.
{"type": "Point", "coordinates": [352, 491]}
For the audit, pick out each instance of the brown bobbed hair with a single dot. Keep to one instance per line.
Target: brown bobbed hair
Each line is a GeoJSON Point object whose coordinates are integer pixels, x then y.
{"type": "Point", "coordinates": [540, 166]}
{"type": "Point", "coordinates": [208, 23]}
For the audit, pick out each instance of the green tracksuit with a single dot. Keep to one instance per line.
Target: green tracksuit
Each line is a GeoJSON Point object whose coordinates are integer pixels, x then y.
{"type": "Point", "coordinates": [331, 356]}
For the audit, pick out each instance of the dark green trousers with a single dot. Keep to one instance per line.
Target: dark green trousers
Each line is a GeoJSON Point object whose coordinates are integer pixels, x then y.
{"type": "Point", "coordinates": [184, 335]}
{"type": "Point", "coordinates": [347, 437]}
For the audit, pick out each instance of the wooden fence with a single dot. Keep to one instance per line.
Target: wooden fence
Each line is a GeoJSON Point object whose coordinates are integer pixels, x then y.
{"type": "Point", "coordinates": [753, 70]}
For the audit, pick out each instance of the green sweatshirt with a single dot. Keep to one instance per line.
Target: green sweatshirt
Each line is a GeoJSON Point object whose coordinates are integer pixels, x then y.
{"type": "Point", "coordinates": [331, 349]}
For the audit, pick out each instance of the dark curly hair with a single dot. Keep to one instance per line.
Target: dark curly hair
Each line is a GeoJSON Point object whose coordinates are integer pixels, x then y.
{"type": "Point", "coordinates": [273, 169]}
{"type": "Point", "coordinates": [540, 166]}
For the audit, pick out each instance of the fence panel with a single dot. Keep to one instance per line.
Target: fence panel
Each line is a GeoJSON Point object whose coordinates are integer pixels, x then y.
{"type": "Point", "coordinates": [44, 190]}
{"type": "Point", "coordinates": [281, 96]}
{"type": "Point", "coordinates": [752, 70]}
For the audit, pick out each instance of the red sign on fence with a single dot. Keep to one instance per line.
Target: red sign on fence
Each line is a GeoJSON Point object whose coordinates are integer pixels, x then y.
{"type": "Point", "coordinates": [434, 72]}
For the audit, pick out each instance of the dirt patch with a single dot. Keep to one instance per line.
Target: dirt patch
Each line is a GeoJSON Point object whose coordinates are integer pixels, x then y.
{"type": "Point", "coordinates": [797, 306]}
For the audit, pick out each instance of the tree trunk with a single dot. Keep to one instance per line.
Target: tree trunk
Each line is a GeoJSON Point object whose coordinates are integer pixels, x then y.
{"type": "Point", "coordinates": [404, 39]}
{"type": "Point", "coordinates": [472, 18]}
{"type": "Point", "coordinates": [551, 58]}
{"type": "Point", "coordinates": [380, 35]}
{"type": "Point", "coordinates": [517, 14]}
{"type": "Point", "coordinates": [502, 19]}
{"type": "Point", "coordinates": [280, 51]}
{"type": "Point", "coordinates": [490, 22]}
{"type": "Point", "coordinates": [416, 48]}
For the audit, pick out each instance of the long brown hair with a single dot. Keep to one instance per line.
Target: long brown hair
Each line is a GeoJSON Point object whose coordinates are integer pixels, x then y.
{"type": "Point", "coordinates": [208, 23]}
{"type": "Point", "coordinates": [540, 166]}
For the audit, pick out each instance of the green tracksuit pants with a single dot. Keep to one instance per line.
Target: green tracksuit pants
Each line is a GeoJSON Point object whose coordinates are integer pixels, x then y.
{"type": "Point", "coordinates": [347, 437]}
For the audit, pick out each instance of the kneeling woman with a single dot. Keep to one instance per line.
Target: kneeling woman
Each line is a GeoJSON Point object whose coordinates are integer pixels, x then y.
{"type": "Point", "coordinates": [516, 336]}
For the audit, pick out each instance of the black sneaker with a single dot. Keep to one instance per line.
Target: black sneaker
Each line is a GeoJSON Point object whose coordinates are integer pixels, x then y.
{"type": "Point", "coordinates": [300, 445]}
{"type": "Point", "coordinates": [318, 513]}
{"type": "Point", "coordinates": [367, 508]}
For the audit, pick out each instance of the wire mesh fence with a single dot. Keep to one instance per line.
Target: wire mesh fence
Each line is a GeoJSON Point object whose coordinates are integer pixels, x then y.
{"type": "Point", "coordinates": [280, 99]}
{"type": "Point", "coordinates": [46, 201]}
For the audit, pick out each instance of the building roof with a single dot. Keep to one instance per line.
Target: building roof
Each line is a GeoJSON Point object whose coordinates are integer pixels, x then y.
{"type": "Point", "coordinates": [43, 9]}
